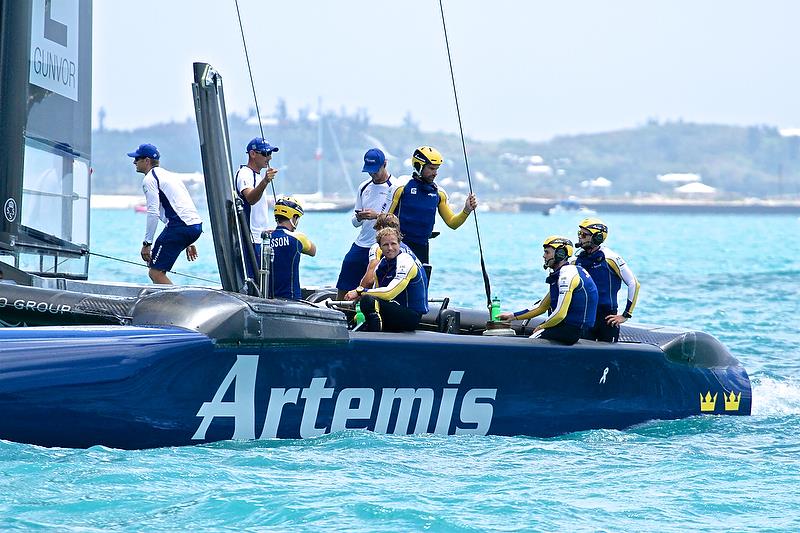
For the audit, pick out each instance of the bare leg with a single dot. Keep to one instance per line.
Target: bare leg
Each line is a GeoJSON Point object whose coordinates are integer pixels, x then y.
{"type": "Point", "coordinates": [159, 277]}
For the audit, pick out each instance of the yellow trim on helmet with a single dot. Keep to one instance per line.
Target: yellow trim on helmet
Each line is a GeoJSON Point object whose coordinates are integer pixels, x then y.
{"type": "Point", "coordinates": [557, 241]}
{"type": "Point", "coordinates": [288, 207]}
{"type": "Point", "coordinates": [426, 155]}
{"type": "Point", "coordinates": [594, 225]}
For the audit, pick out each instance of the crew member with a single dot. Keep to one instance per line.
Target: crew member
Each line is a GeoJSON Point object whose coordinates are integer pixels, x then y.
{"type": "Point", "coordinates": [416, 203]}
{"type": "Point", "coordinates": [287, 244]}
{"type": "Point", "coordinates": [571, 300]}
{"type": "Point", "coordinates": [384, 220]}
{"type": "Point", "coordinates": [373, 198]}
{"type": "Point", "coordinates": [251, 187]}
{"type": "Point", "coordinates": [167, 200]}
{"type": "Point", "coordinates": [400, 296]}
{"type": "Point", "coordinates": [608, 270]}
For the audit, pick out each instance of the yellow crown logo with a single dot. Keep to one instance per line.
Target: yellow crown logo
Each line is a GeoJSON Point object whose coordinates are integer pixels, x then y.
{"type": "Point", "coordinates": [709, 403]}
{"type": "Point", "coordinates": [732, 401]}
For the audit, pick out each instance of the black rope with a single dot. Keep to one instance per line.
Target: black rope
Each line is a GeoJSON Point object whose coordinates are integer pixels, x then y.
{"type": "Point", "coordinates": [141, 265]}
{"type": "Point", "coordinates": [486, 284]}
{"type": "Point", "coordinates": [253, 86]}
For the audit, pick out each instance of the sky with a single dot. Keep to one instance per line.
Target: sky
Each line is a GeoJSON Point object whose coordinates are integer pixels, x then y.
{"type": "Point", "coordinates": [524, 69]}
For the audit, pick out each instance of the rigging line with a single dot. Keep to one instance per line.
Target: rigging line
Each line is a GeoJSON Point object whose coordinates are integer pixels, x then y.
{"type": "Point", "coordinates": [252, 85]}
{"type": "Point", "coordinates": [486, 284]}
{"type": "Point", "coordinates": [141, 265]}
{"type": "Point", "coordinates": [339, 154]}
{"type": "Point", "coordinates": [57, 264]}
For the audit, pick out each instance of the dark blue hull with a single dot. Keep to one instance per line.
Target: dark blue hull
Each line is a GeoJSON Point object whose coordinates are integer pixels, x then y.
{"type": "Point", "coordinates": [141, 387]}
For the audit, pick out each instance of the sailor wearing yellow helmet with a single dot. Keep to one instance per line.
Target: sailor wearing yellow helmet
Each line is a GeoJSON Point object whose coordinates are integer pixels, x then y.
{"type": "Point", "coordinates": [608, 270]}
{"type": "Point", "coordinates": [571, 300]}
{"type": "Point", "coordinates": [417, 202]}
{"type": "Point", "coordinates": [287, 244]}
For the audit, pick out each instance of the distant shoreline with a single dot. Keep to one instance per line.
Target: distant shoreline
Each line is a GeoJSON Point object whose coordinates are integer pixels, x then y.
{"type": "Point", "coordinates": [668, 205]}
{"type": "Point", "coordinates": [540, 205]}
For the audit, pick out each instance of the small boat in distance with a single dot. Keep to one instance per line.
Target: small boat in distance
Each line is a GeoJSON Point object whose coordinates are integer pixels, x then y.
{"type": "Point", "coordinates": [571, 206]}
{"type": "Point", "coordinates": [316, 202]}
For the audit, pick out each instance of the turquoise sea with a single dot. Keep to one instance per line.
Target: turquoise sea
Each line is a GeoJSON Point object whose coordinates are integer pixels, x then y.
{"type": "Point", "coordinates": [734, 276]}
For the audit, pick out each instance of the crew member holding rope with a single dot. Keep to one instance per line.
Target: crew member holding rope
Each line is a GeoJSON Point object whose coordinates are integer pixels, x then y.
{"type": "Point", "coordinates": [417, 202]}
{"type": "Point", "coordinates": [571, 300]}
{"type": "Point", "coordinates": [168, 200]}
{"type": "Point", "coordinates": [400, 298]}
{"type": "Point", "coordinates": [251, 186]}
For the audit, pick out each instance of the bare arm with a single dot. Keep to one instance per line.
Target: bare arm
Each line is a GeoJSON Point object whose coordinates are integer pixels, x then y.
{"type": "Point", "coordinates": [254, 194]}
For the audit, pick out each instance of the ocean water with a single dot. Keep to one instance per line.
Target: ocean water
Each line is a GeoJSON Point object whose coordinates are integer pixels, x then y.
{"type": "Point", "coordinates": [734, 276]}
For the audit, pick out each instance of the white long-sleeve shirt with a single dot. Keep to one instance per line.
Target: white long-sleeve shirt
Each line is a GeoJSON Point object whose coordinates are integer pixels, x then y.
{"type": "Point", "coordinates": [168, 200]}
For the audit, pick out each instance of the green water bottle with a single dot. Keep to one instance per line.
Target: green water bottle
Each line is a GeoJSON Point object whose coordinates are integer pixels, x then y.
{"type": "Point", "coordinates": [359, 315]}
{"type": "Point", "coordinates": [495, 308]}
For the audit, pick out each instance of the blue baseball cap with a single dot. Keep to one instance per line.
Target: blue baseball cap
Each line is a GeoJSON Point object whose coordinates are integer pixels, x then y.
{"type": "Point", "coordinates": [373, 160]}
{"type": "Point", "coordinates": [261, 145]}
{"type": "Point", "coordinates": [146, 150]}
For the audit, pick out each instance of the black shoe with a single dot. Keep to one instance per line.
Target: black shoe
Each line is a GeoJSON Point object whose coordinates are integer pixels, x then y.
{"type": "Point", "coordinates": [372, 321]}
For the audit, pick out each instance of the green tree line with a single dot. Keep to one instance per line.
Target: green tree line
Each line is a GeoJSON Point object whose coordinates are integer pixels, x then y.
{"type": "Point", "coordinates": [738, 161]}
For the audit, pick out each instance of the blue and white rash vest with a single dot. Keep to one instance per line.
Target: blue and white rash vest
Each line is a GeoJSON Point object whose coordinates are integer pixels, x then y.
{"type": "Point", "coordinates": [168, 200]}
{"type": "Point", "coordinates": [608, 270]}
{"type": "Point", "coordinates": [285, 272]}
{"type": "Point", "coordinates": [572, 299]}
{"type": "Point", "coordinates": [401, 279]}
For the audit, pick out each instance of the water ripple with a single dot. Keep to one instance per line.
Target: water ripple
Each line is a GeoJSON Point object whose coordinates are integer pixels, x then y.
{"type": "Point", "coordinates": [709, 473]}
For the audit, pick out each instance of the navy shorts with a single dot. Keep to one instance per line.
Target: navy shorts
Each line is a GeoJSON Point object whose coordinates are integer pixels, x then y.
{"type": "Point", "coordinates": [170, 244]}
{"type": "Point", "coordinates": [354, 267]}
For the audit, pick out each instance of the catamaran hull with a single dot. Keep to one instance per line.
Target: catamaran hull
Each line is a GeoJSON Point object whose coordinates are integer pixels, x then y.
{"type": "Point", "coordinates": [143, 387]}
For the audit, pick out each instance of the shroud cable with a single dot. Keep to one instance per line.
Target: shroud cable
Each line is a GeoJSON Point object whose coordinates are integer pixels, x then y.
{"type": "Point", "coordinates": [252, 85]}
{"type": "Point", "coordinates": [486, 284]}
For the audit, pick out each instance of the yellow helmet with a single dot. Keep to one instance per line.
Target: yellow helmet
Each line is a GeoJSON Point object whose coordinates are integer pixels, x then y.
{"type": "Point", "coordinates": [561, 245]}
{"type": "Point", "coordinates": [597, 228]}
{"type": "Point", "coordinates": [288, 207]}
{"type": "Point", "coordinates": [425, 155]}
